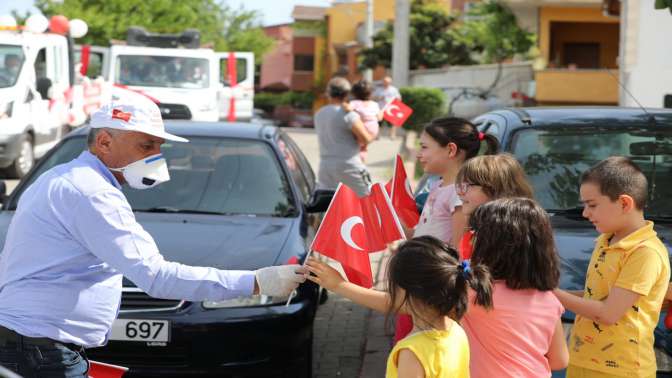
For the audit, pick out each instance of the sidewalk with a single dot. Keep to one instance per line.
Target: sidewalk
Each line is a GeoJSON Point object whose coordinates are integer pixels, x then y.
{"type": "Point", "coordinates": [351, 340]}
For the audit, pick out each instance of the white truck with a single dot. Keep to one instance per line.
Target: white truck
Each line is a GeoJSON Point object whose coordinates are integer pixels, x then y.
{"type": "Point", "coordinates": [185, 80]}
{"type": "Point", "coordinates": [41, 95]}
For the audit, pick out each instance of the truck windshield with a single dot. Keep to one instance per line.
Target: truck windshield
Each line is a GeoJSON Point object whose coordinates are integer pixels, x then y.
{"type": "Point", "coordinates": [11, 59]}
{"type": "Point", "coordinates": [162, 71]}
{"type": "Point", "coordinates": [554, 159]}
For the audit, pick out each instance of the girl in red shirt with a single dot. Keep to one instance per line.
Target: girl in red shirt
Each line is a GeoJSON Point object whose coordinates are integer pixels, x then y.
{"type": "Point", "coordinates": [486, 178]}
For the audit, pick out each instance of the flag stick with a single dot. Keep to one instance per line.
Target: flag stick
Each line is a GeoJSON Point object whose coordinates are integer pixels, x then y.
{"type": "Point", "coordinates": [293, 294]}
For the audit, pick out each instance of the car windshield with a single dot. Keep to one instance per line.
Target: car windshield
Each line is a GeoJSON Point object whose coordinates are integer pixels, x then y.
{"type": "Point", "coordinates": [11, 59]}
{"type": "Point", "coordinates": [554, 159]}
{"type": "Point", "coordinates": [207, 175]}
{"type": "Point", "coordinates": [162, 71]}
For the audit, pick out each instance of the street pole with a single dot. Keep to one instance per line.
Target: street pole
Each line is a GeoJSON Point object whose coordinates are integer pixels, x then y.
{"type": "Point", "coordinates": [400, 46]}
{"type": "Point", "coordinates": [368, 43]}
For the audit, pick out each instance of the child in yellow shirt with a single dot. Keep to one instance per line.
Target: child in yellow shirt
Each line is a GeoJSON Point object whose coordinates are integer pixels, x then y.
{"type": "Point", "coordinates": [426, 279]}
{"type": "Point", "coordinates": [626, 282]}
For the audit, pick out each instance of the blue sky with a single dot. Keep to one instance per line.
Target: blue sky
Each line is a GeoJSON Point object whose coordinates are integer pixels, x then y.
{"type": "Point", "coordinates": [272, 11]}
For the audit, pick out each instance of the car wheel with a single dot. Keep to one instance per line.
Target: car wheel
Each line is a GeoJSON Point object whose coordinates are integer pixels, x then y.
{"type": "Point", "coordinates": [26, 159]}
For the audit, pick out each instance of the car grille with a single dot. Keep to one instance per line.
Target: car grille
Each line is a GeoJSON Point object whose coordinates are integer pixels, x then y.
{"type": "Point", "coordinates": [174, 111]}
{"type": "Point", "coordinates": [134, 299]}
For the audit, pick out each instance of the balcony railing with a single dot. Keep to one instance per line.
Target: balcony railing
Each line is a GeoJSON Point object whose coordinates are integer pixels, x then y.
{"type": "Point", "coordinates": [580, 86]}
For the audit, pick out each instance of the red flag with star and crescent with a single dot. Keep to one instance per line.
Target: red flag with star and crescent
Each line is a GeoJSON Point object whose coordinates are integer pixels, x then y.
{"type": "Point", "coordinates": [396, 112]}
{"type": "Point", "coordinates": [402, 196]}
{"type": "Point", "coordinates": [342, 237]}
{"type": "Point", "coordinates": [353, 227]}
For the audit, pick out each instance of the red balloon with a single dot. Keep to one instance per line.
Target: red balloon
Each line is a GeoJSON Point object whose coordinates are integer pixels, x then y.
{"type": "Point", "coordinates": [59, 24]}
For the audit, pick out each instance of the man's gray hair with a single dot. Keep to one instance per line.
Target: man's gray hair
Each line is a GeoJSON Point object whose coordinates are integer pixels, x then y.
{"type": "Point", "coordinates": [338, 87]}
{"type": "Point", "coordinates": [93, 134]}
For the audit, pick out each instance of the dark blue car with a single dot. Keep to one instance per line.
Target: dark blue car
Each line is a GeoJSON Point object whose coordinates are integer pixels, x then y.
{"type": "Point", "coordinates": [555, 145]}
{"type": "Point", "coordinates": [241, 196]}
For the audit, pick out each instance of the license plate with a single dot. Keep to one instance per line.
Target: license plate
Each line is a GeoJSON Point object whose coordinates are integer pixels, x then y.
{"type": "Point", "coordinates": [140, 330]}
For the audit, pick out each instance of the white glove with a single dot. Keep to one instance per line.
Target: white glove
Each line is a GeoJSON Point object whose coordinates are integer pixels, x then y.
{"type": "Point", "coordinates": [279, 281]}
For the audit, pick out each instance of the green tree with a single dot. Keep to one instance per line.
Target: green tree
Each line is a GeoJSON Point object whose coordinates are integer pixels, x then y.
{"type": "Point", "coordinates": [491, 28]}
{"type": "Point", "coordinates": [432, 44]}
{"type": "Point", "coordinates": [228, 29]}
{"type": "Point", "coordinates": [662, 4]}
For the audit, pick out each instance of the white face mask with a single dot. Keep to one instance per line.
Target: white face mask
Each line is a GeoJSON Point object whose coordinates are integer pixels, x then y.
{"type": "Point", "coordinates": [145, 173]}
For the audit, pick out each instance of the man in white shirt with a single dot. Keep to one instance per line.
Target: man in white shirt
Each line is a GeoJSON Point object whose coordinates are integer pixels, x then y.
{"type": "Point", "coordinates": [384, 95]}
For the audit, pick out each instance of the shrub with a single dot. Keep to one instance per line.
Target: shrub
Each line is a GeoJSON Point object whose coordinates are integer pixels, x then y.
{"type": "Point", "coordinates": [268, 101]}
{"type": "Point", "coordinates": [427, 104]}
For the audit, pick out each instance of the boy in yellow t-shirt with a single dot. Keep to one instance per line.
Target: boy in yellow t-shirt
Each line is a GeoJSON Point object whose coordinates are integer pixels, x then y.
{"type": "Point", "coordinates": [626, 281]}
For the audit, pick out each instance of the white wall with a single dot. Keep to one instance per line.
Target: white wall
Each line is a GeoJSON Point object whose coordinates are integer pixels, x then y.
{"type": "Point", "coordinates": [647, 53]}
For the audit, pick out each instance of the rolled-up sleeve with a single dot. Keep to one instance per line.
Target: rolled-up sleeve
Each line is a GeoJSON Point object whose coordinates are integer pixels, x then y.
{"type": "Point", "coordinates": [106, 226]}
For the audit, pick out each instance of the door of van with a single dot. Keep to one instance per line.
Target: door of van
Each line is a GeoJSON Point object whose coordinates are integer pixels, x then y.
{"type": "Point", "coordinates": [99, 61]}
{"type": "Point", "coordinates": [235, 100]}
{"type": "Point", "coordinates": [51, 62]}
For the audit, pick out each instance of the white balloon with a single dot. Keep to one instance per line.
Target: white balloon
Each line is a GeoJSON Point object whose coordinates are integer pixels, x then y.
{"type": "Point", "coordinates": [37, 23]}
{"type": "Point", "coordinates": [78, 28]}
{"type": "Point", "coordinates": [7, 21]}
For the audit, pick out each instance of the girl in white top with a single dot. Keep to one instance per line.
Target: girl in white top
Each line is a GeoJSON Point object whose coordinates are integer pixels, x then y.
{"type": "Point", "coordinates": [445, 144]}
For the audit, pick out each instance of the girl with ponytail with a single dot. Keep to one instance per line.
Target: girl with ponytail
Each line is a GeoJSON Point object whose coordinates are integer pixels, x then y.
{"type": "Point", "coordinates": [426, 279]}
{"type": "Point", "coordinates": [445, 145]}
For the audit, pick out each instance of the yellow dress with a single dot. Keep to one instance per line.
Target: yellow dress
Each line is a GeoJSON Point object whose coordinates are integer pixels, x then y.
{"type": "Point", "coordinates": [443, 354]}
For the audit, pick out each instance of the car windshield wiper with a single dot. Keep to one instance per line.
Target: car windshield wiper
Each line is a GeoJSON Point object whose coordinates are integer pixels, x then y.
{"type": "Point", "coordinates": [168, 209]}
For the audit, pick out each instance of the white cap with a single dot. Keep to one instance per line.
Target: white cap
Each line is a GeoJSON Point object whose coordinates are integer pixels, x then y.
{"type": "Point", "coordinates": [142, 116]}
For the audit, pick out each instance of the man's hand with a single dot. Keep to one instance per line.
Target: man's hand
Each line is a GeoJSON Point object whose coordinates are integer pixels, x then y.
{"type": "Point", "coordinates": [279, 281]}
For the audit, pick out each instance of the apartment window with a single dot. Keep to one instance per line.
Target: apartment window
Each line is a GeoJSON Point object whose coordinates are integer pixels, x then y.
{"type": "Point", "coordinates": [303, 62]}
{"type": "Point", "coordinates": [582, 55]}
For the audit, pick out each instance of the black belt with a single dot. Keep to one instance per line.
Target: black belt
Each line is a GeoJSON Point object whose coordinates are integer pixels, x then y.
{"type": "Point", "coordinates": [8, 336]}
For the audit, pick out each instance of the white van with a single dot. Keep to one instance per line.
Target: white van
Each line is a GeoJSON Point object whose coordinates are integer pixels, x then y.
{"type": "Point", "coordinates": [186, 82]}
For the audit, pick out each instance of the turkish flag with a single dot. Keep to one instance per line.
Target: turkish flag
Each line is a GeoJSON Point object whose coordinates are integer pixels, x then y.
{"type": "Point", "coordinates": [402, 196]}
{"type": "Point", "coordinates": [342, 236]}
{"type": "Point", "coordinates": [390, 227]}
{"type": "Point", "coordinates": [396, 112]}
{"type": "Point", "coordinates": [103, 370]}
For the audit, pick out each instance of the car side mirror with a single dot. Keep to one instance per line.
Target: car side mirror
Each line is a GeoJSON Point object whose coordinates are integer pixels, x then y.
{"type": "Point", "coordinates": [43, 85]}
{"type": "Point", "coordinates": [320, 200]}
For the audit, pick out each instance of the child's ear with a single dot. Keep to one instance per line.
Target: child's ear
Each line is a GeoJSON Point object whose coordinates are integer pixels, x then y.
{"type": "Point", "coordinates": [627, 203]}
{"type": "Point", "coordinates": [452, 149]}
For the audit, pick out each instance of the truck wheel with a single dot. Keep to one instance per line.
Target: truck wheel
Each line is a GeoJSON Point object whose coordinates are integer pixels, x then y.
{"type": "Point", "coordinates": [25, 161]}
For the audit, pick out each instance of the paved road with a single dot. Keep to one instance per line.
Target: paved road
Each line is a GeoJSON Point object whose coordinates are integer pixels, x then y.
{"type": "Point", "coordinates": [351, 341]}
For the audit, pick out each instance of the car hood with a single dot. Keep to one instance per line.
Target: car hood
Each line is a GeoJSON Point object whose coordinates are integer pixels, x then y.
{"type": "Point", "coordinates": [575, 239]}
{"type": "Point", "coordinates": [236, 242]}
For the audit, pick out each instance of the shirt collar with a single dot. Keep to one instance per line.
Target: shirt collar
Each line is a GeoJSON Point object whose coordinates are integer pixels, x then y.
{"type": "Point", "coordinates": [631, 241]}
{"type": "Point", "coordinates": [95, 163]}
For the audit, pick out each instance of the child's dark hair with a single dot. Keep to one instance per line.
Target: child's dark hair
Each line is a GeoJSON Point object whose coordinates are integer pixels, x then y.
{"type": "Point", "coordinates": [463, 133]}
{"type": "Point", "coordinates": [431, 275]}
{"type": "Point", "coordinates": [362, 90]}
{"type": "Point", "coordinates": [514, 239]}
{"type": "Point", "coordinates": [618, 175]}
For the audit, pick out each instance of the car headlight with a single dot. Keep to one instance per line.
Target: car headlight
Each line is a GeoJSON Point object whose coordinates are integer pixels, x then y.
{"type": "Point", "coordinates": [255, 300]}
{"type": "Point", "coordinates": [6, 110]}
